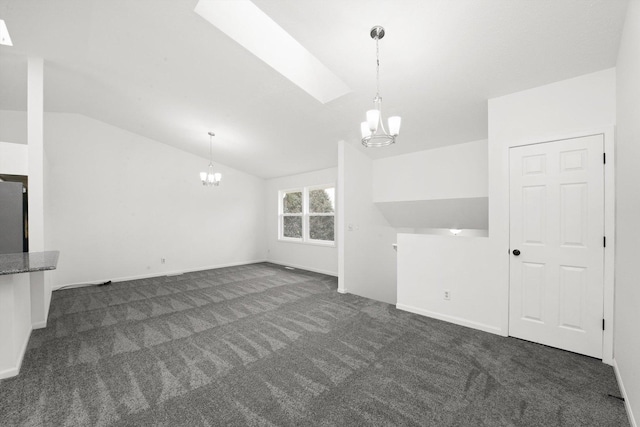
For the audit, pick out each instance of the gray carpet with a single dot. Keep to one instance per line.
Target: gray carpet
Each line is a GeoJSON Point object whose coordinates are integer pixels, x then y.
{"type": "Point", "coordinates": [261, 345]}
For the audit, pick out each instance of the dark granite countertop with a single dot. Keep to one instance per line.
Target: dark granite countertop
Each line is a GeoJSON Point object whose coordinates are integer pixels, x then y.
{"type": "Point", "coordinates": [26, 262]}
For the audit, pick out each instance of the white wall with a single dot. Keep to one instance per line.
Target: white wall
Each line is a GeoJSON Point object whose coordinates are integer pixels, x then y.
{"type": "Point", "coordinates": [14, 158]}
{"type": "Point", "coordinates": [116, 203]}
{"type": "Point", "coordinates": [441, 188]}
{"type": "Point", "coordinates": [323, 259]}
{"type": "Point", "coordinates": [428, 265]}
{"type": "Point", "coordinates": [562, 109]}
{"type": "Point", "coordinates": [13, 126]}
{"type": "Point", "coordinates": [411, 192]}
{"type": "Point", "coordinates": [15, 324]}
{"type": "Point", "coordinates": [431, 191]}
{"type": "Point", "coordinates": [369, 261]}
{"type": "Point", "coordinates": [455, 171]}
{"type": "Point", "coordinates": [574, 105]}
{"type": "Point", "coordinates": [627, 298]}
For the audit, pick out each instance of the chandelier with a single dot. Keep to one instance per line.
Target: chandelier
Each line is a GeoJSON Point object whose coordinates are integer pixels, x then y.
{"type": "Point", "coordinates": [373, 132]}
{"type": "Point", "coordinates": [210, 177]}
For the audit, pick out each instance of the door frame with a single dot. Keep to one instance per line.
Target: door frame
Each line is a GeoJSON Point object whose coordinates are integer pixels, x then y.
{"type": "Point", "coordinates": [608, 134]}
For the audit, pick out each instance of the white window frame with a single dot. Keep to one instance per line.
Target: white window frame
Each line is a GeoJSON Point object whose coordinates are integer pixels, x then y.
{"type": "Point", "coordinates": [305, 239]}
{"type": "Point", "coordinates": [308, 215]}
{"type": "Point", "coordinates": [282, 214]}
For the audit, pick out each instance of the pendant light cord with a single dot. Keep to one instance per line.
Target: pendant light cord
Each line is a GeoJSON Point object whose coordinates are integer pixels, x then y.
{"type": "Point", "coordinates": [377, 69]}
{"type": "Point", "coordinates": [210, 149]}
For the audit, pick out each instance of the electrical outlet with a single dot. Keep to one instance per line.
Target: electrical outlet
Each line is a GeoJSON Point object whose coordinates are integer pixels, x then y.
{"type": "Point", "coordinates": [446, 295]}
{"type": "Point", "coordinates": [162, 260]}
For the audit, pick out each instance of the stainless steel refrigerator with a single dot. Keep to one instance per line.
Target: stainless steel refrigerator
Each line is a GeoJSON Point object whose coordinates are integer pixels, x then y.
{"type": "Point", "coordinates": [13, 227]}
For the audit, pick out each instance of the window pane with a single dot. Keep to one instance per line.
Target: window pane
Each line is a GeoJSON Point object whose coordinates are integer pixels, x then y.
{"type": "Point", "coordinates": [292, 226]}
{"type": "Point", "coordinates": [292, 202]}
{"type": "Point", "coordinates": [322, 200]}
{"type": "Point", "coordinates": [321, 228]}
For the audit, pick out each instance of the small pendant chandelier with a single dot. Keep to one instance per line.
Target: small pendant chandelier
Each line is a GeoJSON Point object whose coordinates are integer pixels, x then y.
{"type": "Point", "coordinates": [210, 177]}
{"type": "Point", "coordinates": [373, 132]}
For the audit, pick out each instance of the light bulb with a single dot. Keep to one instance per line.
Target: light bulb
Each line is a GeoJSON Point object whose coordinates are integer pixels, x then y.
{"type": "Point", "coordinates": [394, 125]}
{"type": "Point", "coordinates": [373, 118]}
{"type": "Point", "coordinates": [364, 128]}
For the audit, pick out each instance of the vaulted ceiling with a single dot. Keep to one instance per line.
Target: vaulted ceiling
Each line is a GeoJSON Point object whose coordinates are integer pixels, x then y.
{"type": "Point", "coordinates": [158, 69]}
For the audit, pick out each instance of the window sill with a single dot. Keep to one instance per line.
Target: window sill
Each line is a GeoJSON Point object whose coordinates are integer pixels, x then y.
{"type": "Point", "coordinates": [309, 242]}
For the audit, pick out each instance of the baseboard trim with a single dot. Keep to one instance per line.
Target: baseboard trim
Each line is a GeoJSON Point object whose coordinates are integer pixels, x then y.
{"type": "Point", "coordinates": [302, 267]}
{"type": "Point", "coordinates": [12, 372]}
{"type": "Point", "coordinates": [451, 319]}
{"type": "Point", "coordinates": [627, 405]}
{"type": "Point", "coordinates": [342, 291]}
{"type": "Point", "coordinates": [8, 373]}
{"type": "Point", "coordinates": [152, 275]}
{"type": "Point", "coordinates": [39, 325]}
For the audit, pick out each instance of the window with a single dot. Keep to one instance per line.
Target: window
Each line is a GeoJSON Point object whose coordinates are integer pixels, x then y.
{"type": "Point", "coordinates": [322, 214]}
{"type": "Point", "coordinates": [292, 215]}
{"type": "Point", "coordinates": [307, 215]}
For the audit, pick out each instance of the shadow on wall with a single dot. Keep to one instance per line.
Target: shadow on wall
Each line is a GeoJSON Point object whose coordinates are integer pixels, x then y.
{"type": "Point", "coordinates": [439, 216]}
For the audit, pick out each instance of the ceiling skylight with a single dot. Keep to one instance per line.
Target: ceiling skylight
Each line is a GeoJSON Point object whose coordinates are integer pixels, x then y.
{"type": "Point", "coordinates": [4, 34]}
{"type": "Point", "coordinates": [245, 23]}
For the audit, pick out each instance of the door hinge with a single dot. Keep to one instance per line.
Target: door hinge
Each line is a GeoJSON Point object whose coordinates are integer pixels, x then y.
{"type": "Point", "coordinates": [603, 324]}
{"type": "Point", "coordinates": [604, 241]}
{"type": "Point", "coordinates": [604, 158]}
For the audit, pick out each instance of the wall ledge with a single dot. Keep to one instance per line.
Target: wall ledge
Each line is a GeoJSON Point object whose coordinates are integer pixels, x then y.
{"type": "Point", "coordinates": [461, 212]}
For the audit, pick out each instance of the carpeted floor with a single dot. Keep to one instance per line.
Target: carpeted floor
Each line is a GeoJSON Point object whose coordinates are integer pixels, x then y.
{"type": "Point", "coordinates": [261, 345]}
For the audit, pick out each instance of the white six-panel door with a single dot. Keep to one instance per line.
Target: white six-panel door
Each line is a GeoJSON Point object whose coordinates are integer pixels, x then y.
{"type": "Point", "coordinates": [557, 225]}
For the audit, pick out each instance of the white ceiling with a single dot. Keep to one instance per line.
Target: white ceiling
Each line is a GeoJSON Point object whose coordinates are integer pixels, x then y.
{"type": "Point", "coordinates": [156, 68]}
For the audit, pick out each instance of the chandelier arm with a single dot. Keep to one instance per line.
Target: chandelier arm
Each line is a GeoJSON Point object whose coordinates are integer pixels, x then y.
{"type": "Point", "coordinates": [381, 126]}
{"type": "Point", "coordinates": [377, 104]}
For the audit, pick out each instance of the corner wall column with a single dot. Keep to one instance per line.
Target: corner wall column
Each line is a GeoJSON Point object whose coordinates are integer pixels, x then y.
{"type": "Point", "coordinates": [35, 119]}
